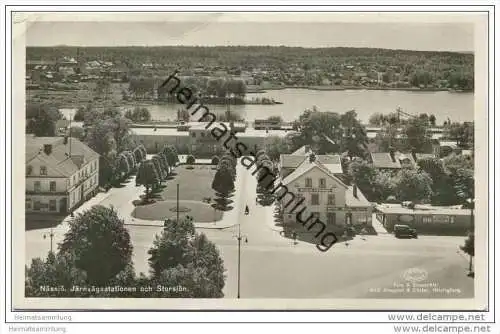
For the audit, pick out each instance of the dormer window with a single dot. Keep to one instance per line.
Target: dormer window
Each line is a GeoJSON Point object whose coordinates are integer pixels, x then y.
{"type": "Point", "coordinates": [43, 170]}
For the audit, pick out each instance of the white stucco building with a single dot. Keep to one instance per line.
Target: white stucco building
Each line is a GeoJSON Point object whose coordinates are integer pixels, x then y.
{"type": "Point", "coordinates": [61, 173]}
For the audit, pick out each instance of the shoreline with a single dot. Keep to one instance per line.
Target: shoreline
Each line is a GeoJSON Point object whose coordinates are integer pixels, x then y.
{"type": "Point", "coordinates": [344, 88]}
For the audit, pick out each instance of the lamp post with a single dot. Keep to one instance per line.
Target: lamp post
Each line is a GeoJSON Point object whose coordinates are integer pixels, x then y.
{"type": "Point", "coordinates": [51, 236]}
{"type": "Point", "coordinates": [239, 237]}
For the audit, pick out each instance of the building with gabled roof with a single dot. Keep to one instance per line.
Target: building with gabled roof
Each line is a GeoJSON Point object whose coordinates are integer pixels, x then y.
{"type": "Point", "coordinates": [322, 195]}
{"type": "Point", "coordinates": [61, 173]}
{"type": "Point", "coordinates": [289, 162]}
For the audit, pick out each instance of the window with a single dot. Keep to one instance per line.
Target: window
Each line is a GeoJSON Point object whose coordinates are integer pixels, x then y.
{"type": "Point", "coordinates": [322, 183]}
{"type": "Point", "coordinates": [427, 219]}
{"type": "Point", "coordinates": [309, 183]}
{"type": "Point", "coordinates": [43, 170]}
{"type": "Point", "coordinates": [52, 185]}
{"type": "Point", "coordinates": [203, 134]}
{"type": "Point", "coordinates": [315, 215]}
{"type": "Point", "coordinates": [29, 169]}
{"type": "Point", "coordinates": [74, 179]}
{"type": "Point", "coordinates": [331, 218]}
{"type": "Point", "coordinates": [28, 204]}
{"type": "Point", "coordinates": [38, 186]}
{"type": "Point", "coordinates": [52, 205]}
{"type": "Point", "coordinates": [37, 206]}
{"type": "Point", "coordinates": [452, 220]}
{"type": "Point", "coordinates": [314, 199]}
{"type": "Point", "coordinates": [193, 134]}
{"type": "Point", "coordinates": [73, 197]}
{"type": "Point", "coordinates": [331, 199]}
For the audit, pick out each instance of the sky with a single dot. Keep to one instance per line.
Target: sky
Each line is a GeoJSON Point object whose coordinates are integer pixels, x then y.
{"type": "Point", "coordinates": [297, 29]}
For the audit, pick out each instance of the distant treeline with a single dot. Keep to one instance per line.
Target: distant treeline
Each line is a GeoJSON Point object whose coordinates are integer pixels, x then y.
{"type": "Point", "coordinates": [248, 55]}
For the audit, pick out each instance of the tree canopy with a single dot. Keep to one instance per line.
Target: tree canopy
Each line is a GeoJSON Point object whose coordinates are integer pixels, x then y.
{"type": "Point", "coordinates": [99, 242]}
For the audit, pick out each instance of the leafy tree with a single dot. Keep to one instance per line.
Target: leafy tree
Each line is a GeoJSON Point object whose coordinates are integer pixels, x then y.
{"type": "Point", "coordinates": [147, 176]}
{"type": "Point", "coordinates": [468, 247]}
{"type": "Point", "coordinates": [77, 132]}
{"type": "Point", "coordinates": [159, 169]}
{"type": "Point", "coordinates": [139, 157]}
{"type": "Point", "coordinates": [164, 162]}
{"type": "Point", "coordinates": [79, 115]}
{"type": "Point", "coordinates": [416, 135]}
{"type": "Point", "coordinates": [131, 160]}
{"type": "Point", "coordinates": [138, 114]}
{"type": "Point", "coordinates": [182, 257]}
{"type": "Point", "coordinates": [363, 174]}
{"type": "Point", "coordinates": [461, 133]}
{"type": "Point", "coordinates": [432, 120]}
{"type": "Point", "coordinates": [413, 185]}
{"type": "Point", "coordinates": [461, 172]}
{"type": "Point", "coordinates": [331, 132]}
{"type": "Point", "coordinates": [56, 270]}
{"type": "Point", "coordinates": [275, 147]}
{"type": "Point", "coordinates": [42, 124]}
{"type": "Point", "coordinates": [223, 184]}
{"type": "Point", "coordinates": [100, 244]}
{"type": "Point", "coordinates": [171, 154]}
{"type": "Point", "coordinates": [377, 119]}
{"type": "Point", "coordinates": [123, 168]}
{"type": "Point", "coordinates": [215, 160]}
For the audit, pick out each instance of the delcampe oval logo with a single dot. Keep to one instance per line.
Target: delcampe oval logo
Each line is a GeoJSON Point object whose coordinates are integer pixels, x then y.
{"type": "Point", "coordinates": [415, 275]}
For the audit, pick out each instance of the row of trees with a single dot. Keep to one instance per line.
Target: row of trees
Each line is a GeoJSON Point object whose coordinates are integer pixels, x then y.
{"type": "Point", "coordinates": [151, 173]}
{"type": "Point", "coordinates": [265, 177]}
{"type": "Point", "coordinates": [144, 87]}
{"type": "Point", "coordinates": [138, 114]}
{"type": "Point", "coordinates": [223, 182]}
{"type": "Point", "coordinates": [440, 182]}
{"type": "Point", "coordinates": [331, 132]}
{"type": "Point", "coordinates": [97, 252]}
{"type": "Point", "coordinates": [413, 133]}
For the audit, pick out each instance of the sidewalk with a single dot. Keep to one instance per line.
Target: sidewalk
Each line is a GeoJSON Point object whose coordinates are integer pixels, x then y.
{"type": "Point", "coordinates": [377, 225]}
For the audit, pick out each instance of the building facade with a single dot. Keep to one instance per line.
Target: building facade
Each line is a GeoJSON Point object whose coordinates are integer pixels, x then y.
{"type": "Point", "coordinates": [427, 219]}
{"type": "Point", "coordinates": [324, 196]}
{"type": "Point", "coordinates": [194, 138]}
{"type": "Point", "coordinates": [61, 173]}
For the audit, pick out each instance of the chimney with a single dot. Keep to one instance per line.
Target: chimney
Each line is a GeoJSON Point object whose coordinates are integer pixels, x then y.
{"type": "Point", "coordinates": [392, 153]}
{"type": "Point", "coordinates": [312, 157]}
{"type": "Point", "coordinates": [355, 191]}
{"type": "Point", "coordinates": [47, 148]}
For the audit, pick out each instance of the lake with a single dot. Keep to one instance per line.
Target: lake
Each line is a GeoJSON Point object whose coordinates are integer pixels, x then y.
{"type": "Point", "coordinates": [459, 107]}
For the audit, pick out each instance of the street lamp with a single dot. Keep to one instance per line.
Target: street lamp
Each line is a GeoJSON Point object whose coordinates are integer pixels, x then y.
{"type": "Point", "coordinates": [51, 236]}
{"type": "Point", "coordinates": [239, 238]}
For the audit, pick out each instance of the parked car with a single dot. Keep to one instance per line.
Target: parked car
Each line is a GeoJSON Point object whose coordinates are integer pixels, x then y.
{"type": "Point", "coordinates": [405, 231]}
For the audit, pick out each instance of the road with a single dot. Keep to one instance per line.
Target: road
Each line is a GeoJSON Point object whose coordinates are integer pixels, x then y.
{"type": "Point", "coordinates": [272, 267]}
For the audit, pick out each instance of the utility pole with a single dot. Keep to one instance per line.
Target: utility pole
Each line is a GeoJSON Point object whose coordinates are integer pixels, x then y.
{"type": "Point", "coordinates": [70, 117]}
{"type": "Point", "coordinates": [239, 251]}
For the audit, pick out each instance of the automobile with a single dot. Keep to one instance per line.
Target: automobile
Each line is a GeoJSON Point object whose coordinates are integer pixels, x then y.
{"type": "Point", "coordinates": [405, 231]}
